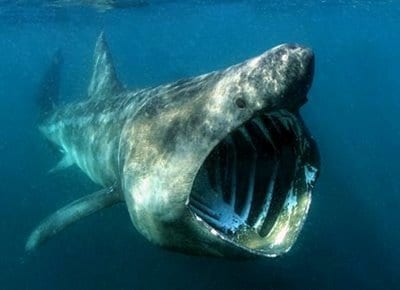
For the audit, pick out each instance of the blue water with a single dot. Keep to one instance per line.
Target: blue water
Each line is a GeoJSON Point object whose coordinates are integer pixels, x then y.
{"type": "Point", "coordinates": [352, 235]}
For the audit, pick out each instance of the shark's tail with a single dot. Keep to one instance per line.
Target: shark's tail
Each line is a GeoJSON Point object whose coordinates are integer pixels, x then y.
{"type": "Point", "coordinates": [49, 89]}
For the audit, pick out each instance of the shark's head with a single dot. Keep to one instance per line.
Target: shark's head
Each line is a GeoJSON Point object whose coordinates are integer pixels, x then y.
{"type": "Point", "coordinates": [222, 164]}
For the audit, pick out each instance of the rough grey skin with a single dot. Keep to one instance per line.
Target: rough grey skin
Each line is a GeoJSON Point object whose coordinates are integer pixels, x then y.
{"type": "Point", "coordinates": [220, 164]}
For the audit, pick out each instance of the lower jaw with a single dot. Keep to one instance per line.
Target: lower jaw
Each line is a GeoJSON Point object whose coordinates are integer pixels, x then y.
{"type": "Point", "coordinates": [253, 190]}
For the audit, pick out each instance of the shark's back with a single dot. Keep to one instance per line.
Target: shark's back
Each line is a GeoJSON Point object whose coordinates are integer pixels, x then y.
{"type": "Point", "coordinates": [88, 132]}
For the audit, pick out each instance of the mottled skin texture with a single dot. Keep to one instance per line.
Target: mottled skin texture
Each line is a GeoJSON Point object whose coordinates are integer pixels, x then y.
{"type": "Point", "coordinates": [151, 143]}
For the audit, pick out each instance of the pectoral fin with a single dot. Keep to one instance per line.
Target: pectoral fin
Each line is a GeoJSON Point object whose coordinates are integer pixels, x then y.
{"type": "Point", "coordinates": [71, 213]}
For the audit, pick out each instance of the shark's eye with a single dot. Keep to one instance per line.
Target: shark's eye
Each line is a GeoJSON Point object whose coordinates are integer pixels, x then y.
{"type": "Point", "coordinates": [241, 103]}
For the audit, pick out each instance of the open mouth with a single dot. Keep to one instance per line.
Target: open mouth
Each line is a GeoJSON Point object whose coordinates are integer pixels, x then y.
{"type": "Point", "coordinates": [254, 188]}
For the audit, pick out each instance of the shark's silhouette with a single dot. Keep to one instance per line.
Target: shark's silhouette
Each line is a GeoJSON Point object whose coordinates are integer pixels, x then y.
{"type": "Point", "coordinates": [220, 164]}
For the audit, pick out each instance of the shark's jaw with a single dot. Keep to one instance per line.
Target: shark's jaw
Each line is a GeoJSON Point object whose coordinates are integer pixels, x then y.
{"type": "Point", "coordinates": [254, 189]}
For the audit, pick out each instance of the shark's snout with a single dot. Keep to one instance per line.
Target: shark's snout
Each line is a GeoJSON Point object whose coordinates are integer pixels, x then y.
{"type": "Point", "coordinates": [294, 65]}
{"type": "Point", "coordinates": [305, 70]}
{"type": "Point", "coordinates": [280, 78]}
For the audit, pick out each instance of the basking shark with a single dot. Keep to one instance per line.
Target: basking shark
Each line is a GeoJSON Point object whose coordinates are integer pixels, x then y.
{"type": "Point", "coordinates": [219, 164]}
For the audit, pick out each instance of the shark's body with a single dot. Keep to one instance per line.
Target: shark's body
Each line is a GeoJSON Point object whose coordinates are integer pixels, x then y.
{"type": "Point", "coordinates": [218, 164]}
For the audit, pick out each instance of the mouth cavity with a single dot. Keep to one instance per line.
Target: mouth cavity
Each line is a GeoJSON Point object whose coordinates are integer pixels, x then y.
{"type": "Point", "coordinates": [254, 188]}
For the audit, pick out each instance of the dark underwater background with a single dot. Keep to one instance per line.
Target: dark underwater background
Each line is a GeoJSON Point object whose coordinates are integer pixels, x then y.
{"type": "Point", "coordinates": [351, 239]}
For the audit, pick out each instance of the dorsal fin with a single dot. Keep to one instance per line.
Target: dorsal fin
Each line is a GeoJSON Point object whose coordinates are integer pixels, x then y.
{"type": "Point", "coordinates": [104, 82]}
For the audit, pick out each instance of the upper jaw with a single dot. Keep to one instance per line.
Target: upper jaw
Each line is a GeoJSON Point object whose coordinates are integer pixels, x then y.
{"type": "Point", "coordinates": [290, 74]}
{"type": "Point", "coordinates": [278, 79]}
